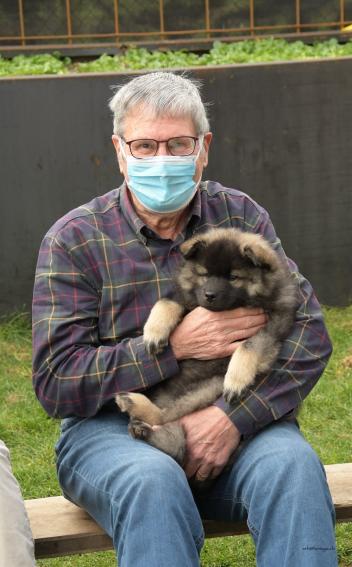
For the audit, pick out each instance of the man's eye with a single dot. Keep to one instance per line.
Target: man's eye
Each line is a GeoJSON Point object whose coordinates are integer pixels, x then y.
{"type": "Point", "coordinates": [143, 148]}
{"type": "Point", "coordinates": [176, 144]}
{"type": "Point", "coordinates": [144, 145]}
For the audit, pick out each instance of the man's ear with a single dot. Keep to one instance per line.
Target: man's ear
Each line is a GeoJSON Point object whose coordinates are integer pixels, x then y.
{"type": "Point", "coordinates": [206, 144]}
{"type": "Point", "coordinates": [192, 247]}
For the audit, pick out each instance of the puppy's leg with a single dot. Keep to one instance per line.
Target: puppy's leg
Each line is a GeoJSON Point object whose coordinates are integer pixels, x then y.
{"type": "Point", "coordinates": [241, 372]}
{"type": "Point", "coordinates": [139, 407]}
{"type": "Point", "coordinates": [254, 356]}
{"type": "Point", "coordinates": [163, 318]}
{"type": "Point", "coordinates": [169, 438]}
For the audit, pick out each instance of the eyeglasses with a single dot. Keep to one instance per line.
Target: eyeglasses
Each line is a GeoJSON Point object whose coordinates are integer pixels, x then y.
{"type": "Point", "coordinates": [180, 146]}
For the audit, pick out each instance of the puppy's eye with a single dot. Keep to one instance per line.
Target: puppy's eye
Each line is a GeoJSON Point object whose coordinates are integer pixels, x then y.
{"type": "Point", "coordinates": [232, 277]}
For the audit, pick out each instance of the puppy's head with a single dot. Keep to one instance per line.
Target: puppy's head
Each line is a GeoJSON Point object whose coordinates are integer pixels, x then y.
{"type": "Point", "coordinates": [226, 268]}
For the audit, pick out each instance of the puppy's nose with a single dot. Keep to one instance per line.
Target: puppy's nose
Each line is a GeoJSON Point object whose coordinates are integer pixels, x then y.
{"type": "Point", "coordinates": [210, 295]}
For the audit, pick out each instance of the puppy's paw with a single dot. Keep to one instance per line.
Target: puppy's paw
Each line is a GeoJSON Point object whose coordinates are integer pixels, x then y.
{"type": "Point", "coordinates": [234, 387]}
{"type": "Point", "coordinates": [154, 344]}
{"type": "Point", "coordinates": [139, 407]}
{"type": "Point", "coordinates": [124, 401]}
{"type": "Point", "coordinates": [155, 336]}
{"type": "Point", "coordinates": [140, 430]}
{"type": "Point", "coordinates": [234, 395]}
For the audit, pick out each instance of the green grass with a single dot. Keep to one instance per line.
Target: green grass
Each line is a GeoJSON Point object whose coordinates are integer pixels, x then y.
{"type": "Point", "coordinates": [248, 51]}
{"type": "Point", "coordinates": [326, 420]}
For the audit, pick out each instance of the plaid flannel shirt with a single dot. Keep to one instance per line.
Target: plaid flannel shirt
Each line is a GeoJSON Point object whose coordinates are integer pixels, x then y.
{"type": "Point", "coordinates": [99, 272]}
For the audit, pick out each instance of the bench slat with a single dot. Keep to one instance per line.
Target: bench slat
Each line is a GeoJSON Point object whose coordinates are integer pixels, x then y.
{"type": "Point", "coordinates": [61, 528]}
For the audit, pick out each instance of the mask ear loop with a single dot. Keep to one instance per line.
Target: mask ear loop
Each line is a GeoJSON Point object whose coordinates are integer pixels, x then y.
{"type": "Point", "coordinates": [200, 141]}
{"type": "Point", "coordinates": [124, 155]}
{"type": "Point", "coordinates": [122, 146]}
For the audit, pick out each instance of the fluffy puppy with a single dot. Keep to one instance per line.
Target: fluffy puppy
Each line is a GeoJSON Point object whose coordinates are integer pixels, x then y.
{"type": "Point", "coordinates": [222, 269]}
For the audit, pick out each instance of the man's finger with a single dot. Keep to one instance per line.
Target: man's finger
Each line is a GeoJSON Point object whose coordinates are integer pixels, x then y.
{"type": "Point", "coordinates": [216, 471]}
{"type": "Point", "coordinates": [191, 468]}
{"type": "Point", "coordinates": [204, 472]}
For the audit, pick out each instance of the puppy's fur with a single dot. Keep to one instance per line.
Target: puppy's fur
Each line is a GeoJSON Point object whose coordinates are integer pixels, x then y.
{"type": "Point", "coordinates": [222, 269]}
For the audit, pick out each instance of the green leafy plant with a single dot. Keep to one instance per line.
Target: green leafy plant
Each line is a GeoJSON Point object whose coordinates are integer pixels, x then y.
{"type": "Point", "coordinates": [249, 51]}
{"type": "Point", "coordinates": [43, 64]}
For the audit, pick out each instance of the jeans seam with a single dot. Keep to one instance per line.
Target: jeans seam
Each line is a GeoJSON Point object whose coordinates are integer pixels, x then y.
{"type": "Point", "coordinates": [199, 541]}
{"type": "Point", "coordinates": [252, 529]}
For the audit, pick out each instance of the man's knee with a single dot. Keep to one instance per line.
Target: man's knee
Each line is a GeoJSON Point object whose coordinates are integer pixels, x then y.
{"type": "Point", "coordinates": [156, 489]}
{"type": "Point", "coordinates": [156, 475]}
{"type": "Point", "coordinates": [286, 462]}
{"type": "Point", "coordinates": [294, 458]}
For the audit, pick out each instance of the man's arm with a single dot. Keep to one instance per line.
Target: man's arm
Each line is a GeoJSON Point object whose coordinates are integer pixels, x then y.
{"type": "Point", "coordinates": [74, 373]}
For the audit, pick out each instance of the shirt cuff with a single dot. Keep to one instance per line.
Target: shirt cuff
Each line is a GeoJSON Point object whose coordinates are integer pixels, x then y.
{"type": "Point", "coordinates": [249, 415]}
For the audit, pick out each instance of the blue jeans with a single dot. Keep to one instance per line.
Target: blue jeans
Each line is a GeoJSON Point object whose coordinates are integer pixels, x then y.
{"type": "Point", "coordinates": [142, 499]}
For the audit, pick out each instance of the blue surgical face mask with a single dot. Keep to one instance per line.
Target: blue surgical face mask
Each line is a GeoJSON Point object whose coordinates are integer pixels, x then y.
{"type": "Point", "coordinates": [163, 184]}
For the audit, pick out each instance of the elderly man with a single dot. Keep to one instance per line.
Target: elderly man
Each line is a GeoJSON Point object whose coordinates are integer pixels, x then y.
{"type": "Point", "coordinates": [100, 270]}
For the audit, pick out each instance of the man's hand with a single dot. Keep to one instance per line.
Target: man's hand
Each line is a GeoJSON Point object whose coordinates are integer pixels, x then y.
{"type": "Point", "coordinates": [211, 439]}
{"type": "Point", "coordinates": [206, 335]}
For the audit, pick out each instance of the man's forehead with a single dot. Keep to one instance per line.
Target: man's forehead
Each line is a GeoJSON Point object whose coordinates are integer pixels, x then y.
{"type": "Point", "coordinates": [143, 121]}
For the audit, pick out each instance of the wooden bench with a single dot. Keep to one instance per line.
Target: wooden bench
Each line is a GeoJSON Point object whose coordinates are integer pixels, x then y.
{"type": "Point", "coordinates": [61, 528]}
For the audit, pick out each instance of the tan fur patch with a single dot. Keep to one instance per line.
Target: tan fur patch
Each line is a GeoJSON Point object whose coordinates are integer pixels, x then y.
{"type": "Point", "coordinates": [200, 270]}
{"type": "Point", "coordinates": [241, 371]}
{"type": "Point", "coordinates": [187, 278]}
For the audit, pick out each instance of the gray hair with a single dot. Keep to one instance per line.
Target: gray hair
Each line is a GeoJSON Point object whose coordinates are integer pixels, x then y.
{"type": "Point", "coordinates": [165, 94]}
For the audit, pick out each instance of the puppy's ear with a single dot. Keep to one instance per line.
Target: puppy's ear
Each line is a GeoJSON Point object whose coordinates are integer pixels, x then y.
{"type": "Point", "coordinates": [257, 256]}
{"type": "Point", "coordinates": [192, 247]}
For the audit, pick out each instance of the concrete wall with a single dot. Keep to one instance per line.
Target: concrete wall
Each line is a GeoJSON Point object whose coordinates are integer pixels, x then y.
{"type": "Point", "coordinates": [282, 133]}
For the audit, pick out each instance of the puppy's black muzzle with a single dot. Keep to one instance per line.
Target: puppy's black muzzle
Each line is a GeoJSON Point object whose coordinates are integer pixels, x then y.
{"type": "Point", "coordinates": [210, 296]}
{"type": "Point", "coordinates": [217, 294]}
{"type": "Point", "coordinates": [214, 294]}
